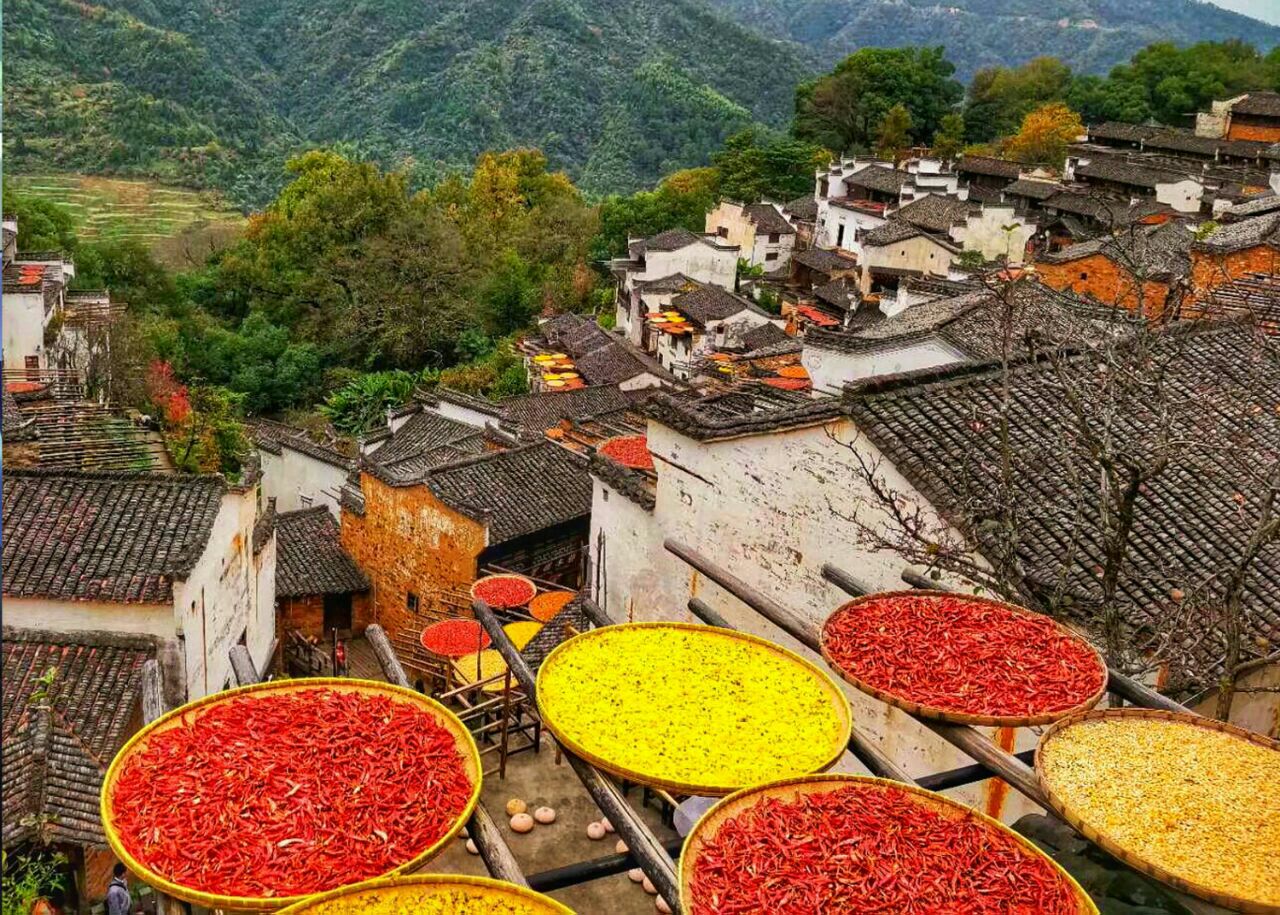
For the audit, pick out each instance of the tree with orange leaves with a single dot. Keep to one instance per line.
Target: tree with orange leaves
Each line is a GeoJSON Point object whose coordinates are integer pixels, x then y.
{"type": "Point", "coordinates": [1045, 134]}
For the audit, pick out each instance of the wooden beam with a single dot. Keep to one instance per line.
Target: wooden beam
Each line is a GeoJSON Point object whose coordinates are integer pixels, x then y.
{"type": "Point", "coordinates": [844, 581]}
{"type": "Point", "coordinates": [242, 665]}
{"type": "Point", "coordinates": [642, 843]}
{"type": "Point", "coordinates": [494, 850]}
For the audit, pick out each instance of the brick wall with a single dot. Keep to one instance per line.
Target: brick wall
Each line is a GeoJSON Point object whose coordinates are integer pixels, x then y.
{"type": "Point", "coordinates": [307, 614]}
{"type": "Point", "coordinates": [1263, 133]}
{"type": "Point", "coordinates": [1106, 281]}
{"type": "Point", "coordinates": [408, 541]}
{"type": "Point", "coordinates": [1209, 270]}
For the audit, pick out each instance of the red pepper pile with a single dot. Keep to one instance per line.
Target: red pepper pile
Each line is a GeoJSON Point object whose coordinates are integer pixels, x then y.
{"type": "Point", "coordinates": [290, 793]}
{"type": "Point", "coordinates": [503, 591]}
{"type": "Point", "coordinates": [629, 451]}
{"type": "Point", "coordinates": [455, 638]}
{"type": "Point", "coordinates": [962, 655]}
{"type": "Point", "coordinates": [869, 849]}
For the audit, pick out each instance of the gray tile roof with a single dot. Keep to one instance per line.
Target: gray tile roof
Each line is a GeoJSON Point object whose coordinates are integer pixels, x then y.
{"type": "Point", "coordinates": [1033, 188]}
{"type": "Point", "coordinates": [988, 165]}
{"type": "Point", "coordinates": [935, 213]}
{"type": "Point", "coordinates": [1248, 233]}
{"type": "Point", "coordinates": [538, 412]}
{"type": "Point", "coordinates": [631, 483]}
{"type": "Point", "coordinates": [17, 428]}
{"type": "Point", "coordinates": [803, 209]}
{"type": "Point", "coordinates": [1156, 251]}
{"type": "Point", "coordinates": [310, 558]}
{"type": "Point", "coordinates": [55, 755]}
{"type": "Point", "coordinates": [1123, 171]}
{"type": "Point", "coordinates": [674, 282]}
{"type": "Point", "coordinates": [1262, 104]}
{"type": "Point", "coordinates": [517, 492]}
{"type": "Point", "coordinates": [823, 260]}
{"type": "Point", "coordinates": [880, 178]}
{"type": "Point", "coordinates": [841, 293]}
{"type": "Point", "coordinates": [710, 303]}
{"type": "Point", "coordinates": [891, 232]}
{"type": "Point", "coordinates": [272, 436]}
{"type": "Point", "coordinates": [763, 335]}
{"type": "Point", "coordinates": [104, 536]}
{"type": "Point", "coordinates": [750, 409]}
{"type": "Point", "coordinates": [930, 427]}
{"type": "Point", "coordinates": [1255, 206]}
{"type": "Point", "coordinates": [420, 433]}
{"type": "Point", "coordinates": [767, 218]}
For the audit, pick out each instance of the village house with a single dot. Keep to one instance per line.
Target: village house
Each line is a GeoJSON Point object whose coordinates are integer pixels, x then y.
{"type": "Point", "coordinates": [182, 558]}
{"type": "Point", "coordinates": [1178, 143]}
{"type": "Point", "coordinates": [1176, 188]}
{"type": "Point", "coordinates": [982, 178]}
{"type": "Point", "coordinates": [71, 700]}
{"type": "Point", "coordinates": [943, 331]}
{"type": "Point", "coordinates": [1250, 246]}
{"type": "Point", "coordinates": [773, 485]}
{"type": "Point", "coordinates": [702, 258]}
{"type": "Point", "coordinates": [319, 588]}
{"type": "Point", "coordinates": [1135, 269]}
{"type": "Point", "coordinates": [297, 471]}
{"type": "Point", "coordinates": [802, 213]}
{"type": "Point", "coordinates": [1254, 116]}
{"type": "Point", "coordinates": [697, 324]}
{"type": "Point", "coordinates": [423, 531]}
{"type": "Point", "coordinates": [34, 294]}
{"type": "Point", "coordinates": [584, 353]}
{"type": "Point", "coordinates": [760, 231]}
{"type": "Point", "coordinates": [993, 230]}
{"type": "Point", "coordinates": [898, 249]}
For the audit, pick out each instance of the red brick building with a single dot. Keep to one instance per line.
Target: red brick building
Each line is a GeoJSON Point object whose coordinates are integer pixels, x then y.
{"type": "Point", "coordinates": [1240, 249]}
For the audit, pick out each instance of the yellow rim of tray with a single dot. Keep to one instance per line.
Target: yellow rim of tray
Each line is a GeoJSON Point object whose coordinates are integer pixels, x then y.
{"type": "Point", "coordinates": [498, 888]}
{"type": "Point", "coordinates": [839, 701]}
{"type": "Point", "coordinates": [949, 715]}
{"type": "Point", "coordinates": [462, 740]}
{"type": "Point", "coordinates": [790, 788]}
{"type": "Point", "coordinates": [1114, 847]}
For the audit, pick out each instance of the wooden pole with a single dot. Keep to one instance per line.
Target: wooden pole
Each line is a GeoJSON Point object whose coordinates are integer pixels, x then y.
{"type": "Point", "coordinates": [494, 850]}
{"type": "Point", "coordinates": [643, 844]}
{"type": "Point", "coordinates": [242, 665]}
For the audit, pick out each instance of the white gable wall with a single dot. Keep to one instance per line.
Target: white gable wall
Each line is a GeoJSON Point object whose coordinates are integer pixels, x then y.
{"type": "Point", "coordinates": [830, 369]}
{"type": "Point", "coordinates": [296, 480]}
{"type": "Point", "coordinates": [23, 321]}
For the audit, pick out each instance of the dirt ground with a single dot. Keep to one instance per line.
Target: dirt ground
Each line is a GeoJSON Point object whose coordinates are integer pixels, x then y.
{"type": "Point", "coordinates": [536, 779]}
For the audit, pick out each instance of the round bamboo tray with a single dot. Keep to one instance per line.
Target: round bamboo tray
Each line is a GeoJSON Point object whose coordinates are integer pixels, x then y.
{"type": "Point", "coordinates": [790, 789]}
{"type": "Point", "coordinates": [462, 740]}
{"type": "Point", "coordinates": [546, 605]}
{"type": "Point", "coordinates": [948, 715]}
{"type": "Point", "coordinates": [522, 632]}
{"type": "Point", "coordinates": [482, 638]}
{"type": "Point", "coordinates": [491, 664]}
{"type": "Point", "coordinates": [393, 895]}
{"type": "Point", "coordinates": [1064, 809]}
{"type": "Point", "coordinates": [617, 766]}
{"type": "Point", "coordinates": [533, 589]}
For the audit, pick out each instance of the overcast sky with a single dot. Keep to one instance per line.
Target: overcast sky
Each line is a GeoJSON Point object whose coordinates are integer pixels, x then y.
{"type": "Point", "coordinates": [1266, 10]}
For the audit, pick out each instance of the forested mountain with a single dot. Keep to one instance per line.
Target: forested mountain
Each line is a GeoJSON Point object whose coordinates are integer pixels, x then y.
{"type": "Point", "coordinates": [1088, 35]}
{"type": "Point", "coordinates": [618, 91]}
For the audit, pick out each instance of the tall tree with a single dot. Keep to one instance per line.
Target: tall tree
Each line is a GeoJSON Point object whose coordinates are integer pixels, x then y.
{"type": "Point", "coordinates": [1000, 97]}
{"type": "Point", "coordinates": [948, 142]}
{"type": "Point", "coordinates": [843, 110]}
{"type": "Point", "coordinates": [755, 164]}
{"type": "Point", "coordinates": [1044, 136]}
{"type": "Point", "coordinates": [894, 133]}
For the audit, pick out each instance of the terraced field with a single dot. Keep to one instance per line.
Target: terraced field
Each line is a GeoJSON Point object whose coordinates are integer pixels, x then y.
{"type": "Point", "coordinates": [181, 226]}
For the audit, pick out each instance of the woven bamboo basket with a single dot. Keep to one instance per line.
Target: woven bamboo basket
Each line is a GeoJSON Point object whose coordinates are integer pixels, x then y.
{"type": "Point", "coordinates": [1063, 808]}
{"type": "Point", "coordinates": [953, 717]}
{"type": "Point", "coordinates": [394, 895]}
{"type": "Point", "coordinates": [789, 789]}
{"type": "Point", "coordinates": [505, 576]}
{"type": "Point", "coordinates": [839, 704]}
{"type": "Point", "coordinates": [462, 740]}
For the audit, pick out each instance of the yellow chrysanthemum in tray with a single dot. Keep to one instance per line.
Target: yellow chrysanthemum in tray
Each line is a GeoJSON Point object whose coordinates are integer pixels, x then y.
{"type": "Point", "coordinates": [430, 894]}
{"type": "Point", "coordinates": [1191, 801]}
{"type": "Point", "coordinates": [692, 708]}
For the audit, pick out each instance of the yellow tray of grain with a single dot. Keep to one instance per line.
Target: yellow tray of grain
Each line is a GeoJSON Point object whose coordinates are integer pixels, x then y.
{"type": "Point", "coordinates": [1193, 802]}
{"type": "Point", "coordinates": [692, 708]}
{"type": "Point", "coordinates": [430, 894]}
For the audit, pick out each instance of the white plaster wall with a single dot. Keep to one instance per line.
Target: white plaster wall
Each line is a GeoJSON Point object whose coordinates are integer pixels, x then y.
{"type": "Point", "coordinates": [831, 369]}
{"type": "Point", "coordinates": [460, 413]}
{"type": "Point", "coordinates": [102, 616]}
{"type": "Point", "coordinates": [781, 249]}
{"type": "Point", "coordinates": [1183, 196]}
{"type": "Point", "coordinates": [219, 599]}
{"type": "Point", "coordinates": [771, 509]}
{"type": "Point", "coordinates": [698, 261]}
{"type": "Point", "coordinates": [643, 380]}
{"type": "Point", "coordinates": [985, 232]}
{"type": "Point", "coordinates": [291, 475]}
{"type": "Point", "coordinates": [919, 253]}
{"type": "Point", "coordinates": [23, 323]}
{"type": "Point", "coordinates": [856, 224]}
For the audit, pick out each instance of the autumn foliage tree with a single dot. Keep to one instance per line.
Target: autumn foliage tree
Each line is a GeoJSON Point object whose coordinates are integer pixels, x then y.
{"type": "Point", "coordinates": [1045, 134]}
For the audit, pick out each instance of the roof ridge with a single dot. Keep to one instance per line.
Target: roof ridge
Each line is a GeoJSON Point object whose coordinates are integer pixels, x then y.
{"type": "Point", "coordinates": [310, 510]}
{"type": "Point", "coordinates": [90, 638]}
{"type": "Point", "coordinates": [152, 476]}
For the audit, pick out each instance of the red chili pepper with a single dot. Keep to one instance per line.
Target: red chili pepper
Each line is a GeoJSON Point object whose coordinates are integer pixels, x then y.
{"type": "Point", "coordinates": [504, 591]}
{"type": "Point", "coordinates": [290, 794]}
{"type": "Point", "coordinates": [629, 451]}
{"type": "Point", "coordinates": [870, 849]}
{"type": "Point", "coordinates": [455, 638]}
{"type": "Point", "coordinates": [963, 655]}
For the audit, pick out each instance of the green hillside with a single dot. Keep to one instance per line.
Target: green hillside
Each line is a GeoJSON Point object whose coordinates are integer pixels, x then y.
{"type": "Point", "coordinates": [196, 92]}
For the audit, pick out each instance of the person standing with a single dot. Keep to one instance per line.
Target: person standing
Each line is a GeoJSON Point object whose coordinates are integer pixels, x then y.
{"type": "Point", "coordinates": [119, 901]}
